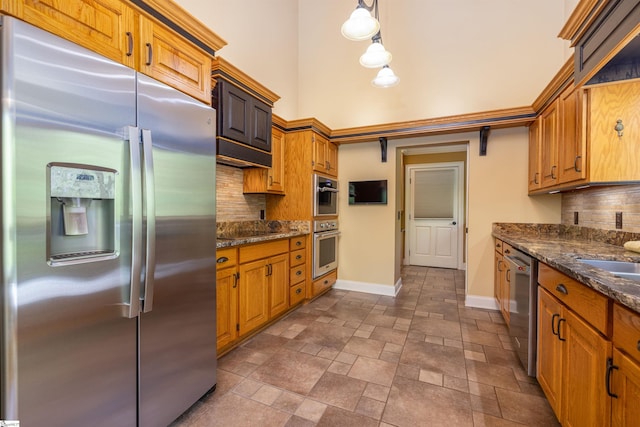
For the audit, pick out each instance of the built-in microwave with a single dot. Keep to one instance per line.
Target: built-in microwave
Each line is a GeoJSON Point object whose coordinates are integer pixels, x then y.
{"type": "Point", "coordinates": [325, 196]}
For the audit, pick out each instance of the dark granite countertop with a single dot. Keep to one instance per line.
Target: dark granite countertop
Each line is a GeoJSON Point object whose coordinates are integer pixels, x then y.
{"type": "Point", "coordinates": [562, 251]}
{"type": "Point", "coordinates": [239, 233]}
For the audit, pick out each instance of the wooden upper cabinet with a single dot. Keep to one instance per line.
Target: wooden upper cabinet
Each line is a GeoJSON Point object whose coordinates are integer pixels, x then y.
{"type": "Point", "coordinates": [104, 26]}
{"type": "Point", "coordinates": [268, 180]}
{"type": "Point", "coordinates": [614, 157]}
{"type": "Point", "coordinates": [120, 31]}
{"type": "Point", "coordinates": [549, 132]}
{"type": "Point", "coordinates": [534, 156]}
{"type": "Point", "coordinates": [572, 146]}
{"type": "Point", "coordinates": [169, 58]}
{"type": "Point", "coordinates": [325, 155]}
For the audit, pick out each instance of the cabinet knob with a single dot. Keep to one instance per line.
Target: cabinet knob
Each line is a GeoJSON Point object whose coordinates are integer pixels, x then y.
{"type": "Point", "coordinates": [562, 289]}
{"type": "Point", "coordinates": [298, 256]}
{"type": "Point", "coordinates": [619, 127]}
{"type": "Point", "coordinates": [298, 243]}
{"type": "Point", "coordinates": [298, 291]}
{"type": "Point", "coordinates": [298, 273]}
{"type": "Point", "coordinates": [222, 259]}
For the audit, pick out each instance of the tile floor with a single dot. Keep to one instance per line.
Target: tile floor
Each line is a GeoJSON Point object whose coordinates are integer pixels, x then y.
{"type": "Point", "coordinates": [355, 359]}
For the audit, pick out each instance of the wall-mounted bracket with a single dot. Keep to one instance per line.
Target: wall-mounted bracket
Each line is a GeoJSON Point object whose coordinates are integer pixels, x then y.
{"type": "Point", "coordinates": [383, 149]}
{"type": "Point", "coordinates": [484, 136]}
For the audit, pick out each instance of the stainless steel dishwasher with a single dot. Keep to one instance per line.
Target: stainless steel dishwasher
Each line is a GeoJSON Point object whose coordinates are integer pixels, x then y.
{"type": "Point", "coordinates": [522, 275]}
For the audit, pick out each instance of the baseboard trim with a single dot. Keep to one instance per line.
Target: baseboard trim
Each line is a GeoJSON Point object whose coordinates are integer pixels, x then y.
{"type": "Point", "coordinates": [481, 302]}
{"type": "Point", "coordinates": [369, 288]}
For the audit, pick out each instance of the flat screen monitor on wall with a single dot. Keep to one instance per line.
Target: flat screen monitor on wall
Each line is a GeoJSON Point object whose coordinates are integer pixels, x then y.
{"type": "Point", "coordinates": [368, 192]}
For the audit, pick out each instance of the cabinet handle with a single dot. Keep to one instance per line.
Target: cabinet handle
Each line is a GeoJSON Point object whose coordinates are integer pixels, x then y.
{"type": "Point", "coordinates": [298, 291]}
{"type": "Point", "coordinates": [269, 269]}
{"type": "Point", "coordinates": [553, 175]}
{"type": "Point", "coordinates": [236, 276]}
{"type": "Point", "coordinates": [222, 259]}
{"type": "Point", "coordinates": [298, 256]}
{"type": "Point", "coordinates": [535, 178]}
{"type": "Point", "coordinates": [149, 54]}
{"type": "Point", "coordinates": [610, 368]}
{"type": "Point", "coordinates": [509, 275]}
{"type": "Point", "coordinates": [559, 336]}
{"type": "Point", "coordinates": [299, 243]}
{"type": "Point", "coordinates": [638, 346]}
{"type": "Point", "coordinates": [499, 264]}
{"type": "Point", "coordinates": [270, 180]}
{"type": "Point", "coordinates": [553, 320]}
{"type": "Point", "coordinates": [562, 289]}
{"type": "Point", "coordinates": [575, 164]}
{"type": "Point", "coordinates": [129, 43]}
{"type": "Point", "coordinates": [299, 273]}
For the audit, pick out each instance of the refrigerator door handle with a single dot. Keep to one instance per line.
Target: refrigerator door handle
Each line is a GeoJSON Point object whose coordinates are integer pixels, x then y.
{"type": "Point", "coordinates": [149, 190]}
{"type": "Point", "coordinates": [136, 223]}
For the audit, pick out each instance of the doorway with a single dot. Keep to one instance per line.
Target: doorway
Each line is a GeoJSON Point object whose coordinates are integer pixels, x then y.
{"type": "Point", "coordinates": [434, 206]}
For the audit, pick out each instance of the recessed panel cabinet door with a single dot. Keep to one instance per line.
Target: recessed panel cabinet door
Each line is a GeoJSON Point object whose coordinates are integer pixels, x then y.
{"type": "Point", "coordinates": [279, 284]}
{"type": "Point", "coordinates": [549, 349]}
{"type": "Point", "coordinates": [226, 306]}
{"type": "Point", "coordinates": [626, 385]}
{"type": "Point", "coordinates": [253, 295]}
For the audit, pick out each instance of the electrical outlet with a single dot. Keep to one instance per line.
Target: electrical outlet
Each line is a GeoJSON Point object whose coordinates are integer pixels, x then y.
{"type": "Point", "coordinates": [619, 220]}
{"type": "Point", "coordinates": [575, 218]}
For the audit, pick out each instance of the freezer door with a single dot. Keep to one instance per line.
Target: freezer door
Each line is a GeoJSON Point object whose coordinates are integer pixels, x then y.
{"type": "Point", "coordinates": [178, 333]}
{"type": "Point", "coordinates": [69, 352]}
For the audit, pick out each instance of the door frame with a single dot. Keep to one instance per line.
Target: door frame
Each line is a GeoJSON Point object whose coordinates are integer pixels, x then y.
{"type": "Point", "coordinates": [462, 220]}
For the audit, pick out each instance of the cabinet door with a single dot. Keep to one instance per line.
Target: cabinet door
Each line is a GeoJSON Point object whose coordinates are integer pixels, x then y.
{"type": "Point", "coordinates": [505, 290]}
{"type": "Point", "coordinates": [169, 58]}
{"type": "Point", "coordinates": [332, 159]}
{"type": "Point", "coordinates": [276, 171]}
{"type": "Point", "coordinates": [104, 26]}
{"type": "Point", "coordinates": [498, 267]}
{"type": "Point", "coordinates": [535, 178]}
{"type": "Point", "coordinates": [253, 295]}
{"type": "Point", "coordinates": [549, 132]}
{"type": "Point", "coordinates": [278, 284]}
{"type": "Point", "coordinates": [585, 353]}
{"type": "Point", "coordinates": [319, 153]}
{"type": "Point", "coordinates": [626, 384]}
{"type": "Point", "coordinates": [613, 157]}
{"type": "Point", "coordinates": [572, 145]}
{"type": "Point", "coordinates": [226, 306]}
{"type": "Point", "coordinates": [260, 125]}
{"type": "Point", "coordinates": [549, 349]}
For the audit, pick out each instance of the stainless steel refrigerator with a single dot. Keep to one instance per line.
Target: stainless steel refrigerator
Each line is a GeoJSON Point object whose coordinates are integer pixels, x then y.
{"type": "Point", "coordinates": [108, 240]}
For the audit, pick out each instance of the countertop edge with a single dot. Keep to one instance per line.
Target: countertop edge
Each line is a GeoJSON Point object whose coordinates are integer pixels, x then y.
{"type": "Point", "coordinates": [227, 243]}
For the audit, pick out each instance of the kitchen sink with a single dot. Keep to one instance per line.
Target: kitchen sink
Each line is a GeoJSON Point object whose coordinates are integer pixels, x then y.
{"type": "Point", "coordinates": [623, 269]}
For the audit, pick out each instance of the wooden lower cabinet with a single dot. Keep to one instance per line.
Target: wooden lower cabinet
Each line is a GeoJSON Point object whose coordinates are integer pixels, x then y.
{"type": "Point", "coordinates": [324, 283]}
{"type": "Point", "coordinates": [255, 285]}
{"type": "Point", "coordinates": [573, 353]}
{"type": "Point", "coordinates": [226, 306]}
{"type": "Point", "coordinates": [254, 295]}
{"type": "Point", "coordinates": [502, 279]}
{"type": "Point", "coordinates": [625, 368]}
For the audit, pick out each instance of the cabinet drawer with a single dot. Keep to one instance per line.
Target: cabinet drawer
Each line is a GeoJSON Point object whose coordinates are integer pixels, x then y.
{"type": "Point", "coordinates": [588, 303]}
{"type": "Point", "coordinates": [297, 243]}
{"type": "Point", "coordinates": [324, 283]}
{"type": "Point", "coordinates": [227, 257]}
{"type": "Point", "coordinates": [296, 294]}
{"type": "Point", "coordinates": [297, 274]}
{"type": "Point", "coordinates": [626, 330]}
{"type": "Point", "coordinates": [499, 246]}
{"type": "Point", "coordinates": [297, 257]}
{"type": "Point", "coordinates": [262, 250]}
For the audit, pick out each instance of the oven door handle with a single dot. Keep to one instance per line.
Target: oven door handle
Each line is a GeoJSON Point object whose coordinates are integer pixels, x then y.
{"type": "Point", "coordinates": [327, 234]}
{"type": "Point", "coordinates": [329, 189]}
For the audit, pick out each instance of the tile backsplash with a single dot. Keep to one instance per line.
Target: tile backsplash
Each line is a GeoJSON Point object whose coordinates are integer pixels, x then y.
{"type": "Point", "coordinates": [597, 207]}
{"type": "Point", "coordinates": [231, 203]}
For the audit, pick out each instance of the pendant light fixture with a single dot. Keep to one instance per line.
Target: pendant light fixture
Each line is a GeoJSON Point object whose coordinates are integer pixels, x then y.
{"type": "Point", "coordinates": [361, 26]}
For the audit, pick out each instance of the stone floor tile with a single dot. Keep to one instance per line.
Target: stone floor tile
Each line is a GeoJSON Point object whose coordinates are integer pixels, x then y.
{"type": "Point", "coordinates": [364, 347]}
{"type": "Point", "coordinates": [338, 390]}
{"type": "Point", "coordinates": [373, 370]}
{"type": "Point", "coordinates": [288, 402]}
{"type": "Point", "coordinates": [377, 392]}
{"type": "Point", "coordinates": [525, 408]}
{"type": "Point", "coordinates": [235, 410]}
{"type": "Point", "coordinates": [370, 407]}
{"type": "Point", "coordinates": [435, 378]}
{"type": "Point", "coordinates": [311, 410]}
{"type": "Point", "coordinates": [294, 371]}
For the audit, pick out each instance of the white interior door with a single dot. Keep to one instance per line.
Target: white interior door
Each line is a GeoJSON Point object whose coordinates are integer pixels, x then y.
{"type": "Point", "coordinates": [433, 221]}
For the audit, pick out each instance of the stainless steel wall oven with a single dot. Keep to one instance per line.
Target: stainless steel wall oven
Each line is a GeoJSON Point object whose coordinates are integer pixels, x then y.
{"type": "Point", "coordinates": [325, 247]}
{"type": "Point", "coordinates": [325, 196]}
